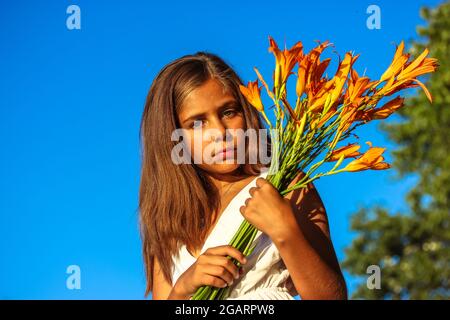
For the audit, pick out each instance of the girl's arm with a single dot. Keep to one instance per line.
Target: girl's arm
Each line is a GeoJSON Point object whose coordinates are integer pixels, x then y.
{"type": "Point", "coordinates": [307, 250]}
{"type": "Point", "coordinates": [298, 226]}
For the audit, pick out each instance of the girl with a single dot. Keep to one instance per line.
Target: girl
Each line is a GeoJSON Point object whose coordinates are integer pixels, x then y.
{"type": "Point", "coordinates": [189, 211]}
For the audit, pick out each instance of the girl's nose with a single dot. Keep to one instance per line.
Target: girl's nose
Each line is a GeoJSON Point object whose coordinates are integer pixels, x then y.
{"type": "Point", "coordinates": [220, 127]}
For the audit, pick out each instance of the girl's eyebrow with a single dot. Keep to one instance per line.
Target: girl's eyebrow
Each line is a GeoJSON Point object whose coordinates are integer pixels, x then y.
{"type": "Point", "coordinates": [224, 105]}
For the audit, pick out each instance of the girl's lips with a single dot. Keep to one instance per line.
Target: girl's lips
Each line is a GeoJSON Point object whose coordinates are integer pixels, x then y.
{"type": "Point", "coordinates": [228, 153]}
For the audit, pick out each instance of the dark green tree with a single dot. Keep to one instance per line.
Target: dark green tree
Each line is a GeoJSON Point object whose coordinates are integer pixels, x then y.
{"type": "Point", "coordinates": [412, 248]}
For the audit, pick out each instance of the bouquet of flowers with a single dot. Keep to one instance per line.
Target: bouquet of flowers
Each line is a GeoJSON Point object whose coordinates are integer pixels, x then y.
{"type": "Point", "coordinates": [326, 112]}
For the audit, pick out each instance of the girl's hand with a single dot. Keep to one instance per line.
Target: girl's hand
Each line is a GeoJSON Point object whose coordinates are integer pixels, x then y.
{"type": "Point", "coordinates": [267, 210]}
{"type": "Point", "coordinates": [212, 268]}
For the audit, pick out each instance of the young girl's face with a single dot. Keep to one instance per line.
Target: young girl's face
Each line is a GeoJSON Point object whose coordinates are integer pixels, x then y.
{"type": "Point", "coordinates": [209, 114]}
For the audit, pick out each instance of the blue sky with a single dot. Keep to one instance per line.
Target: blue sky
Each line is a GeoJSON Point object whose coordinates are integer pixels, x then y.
{"type": "Point", "coordinates": [70, 108]}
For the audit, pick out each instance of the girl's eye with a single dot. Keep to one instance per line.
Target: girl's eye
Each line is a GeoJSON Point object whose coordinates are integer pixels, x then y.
{"type": "Point", "coordinates": [230, 112]}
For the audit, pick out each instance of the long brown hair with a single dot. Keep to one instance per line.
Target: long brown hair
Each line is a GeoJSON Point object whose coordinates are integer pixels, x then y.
{"type": "Point", "coordinates": [176, 200]}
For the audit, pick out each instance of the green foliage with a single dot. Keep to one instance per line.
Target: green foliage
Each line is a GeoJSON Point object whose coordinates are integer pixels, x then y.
{"type": "Point", "coordinates": [413, 248]}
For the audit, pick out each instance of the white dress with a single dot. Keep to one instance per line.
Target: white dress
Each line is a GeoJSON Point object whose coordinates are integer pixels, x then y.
{"type": "Point", "coordinates": [265, 276]}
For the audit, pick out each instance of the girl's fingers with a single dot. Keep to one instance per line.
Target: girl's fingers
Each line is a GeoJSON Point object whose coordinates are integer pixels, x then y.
{"type": "Point", "coordinates": [227, 250]}
{"type": "Point", "coordinates": [224, 262]}
{"type": "Point", "coordinates": [219, 272]}
{"type": "Point", "coordinates": [213, 281]}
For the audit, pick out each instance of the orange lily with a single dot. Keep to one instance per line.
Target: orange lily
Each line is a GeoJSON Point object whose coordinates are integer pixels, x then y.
{"type": "Point", "coordinates": [348, 115]}
{"type": "Point", "coordinates": [315, 54]}
{"type": "Point", "coordinates": [356, 87]}
{"type": "Point", "coordinates": [301, 75]}
{"type": "Point", "coordinates": [333, 87]}
{"type": "Point", "coordinates": [392, 87]}
{"type": "Point", "coordinates": [319, 121]}
{"type": "Point", "coordinates": [310, 72]}
{"type": "Point", "coordinates": [386, 110]}
{"type": "Point", "coordinates": [342, 74]}
{"type": "Point", "coordinates": [253, 94]}
{"type": "Point", "coordinates": [318, 100]}
{"type": "Point", "coordinates": [320, 68]}
{"type": "Point", "coordinates": [350, 150]}
{"type": "Point", "coordinates": [285, 61]}
{"type": "Point", "coordinates": [397, 64]}
{"type": "Point", "coordinates": [419, 66]}
{"type": "Point", "coordinates": [372, 159]}
{"type": "Point", "coordinates": [401, 74]}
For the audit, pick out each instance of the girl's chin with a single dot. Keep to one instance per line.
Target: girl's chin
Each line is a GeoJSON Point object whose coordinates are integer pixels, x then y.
{"type": "Point", "coordinates": [222, 167]}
